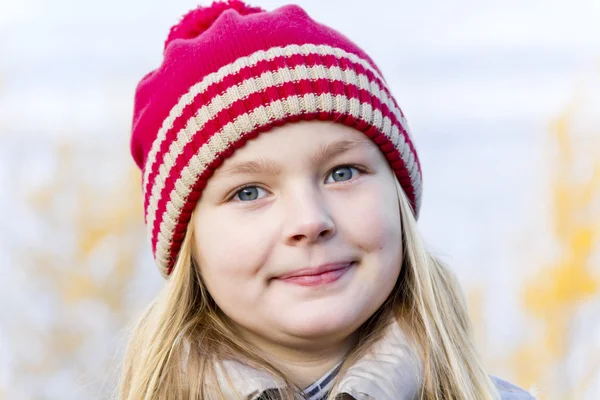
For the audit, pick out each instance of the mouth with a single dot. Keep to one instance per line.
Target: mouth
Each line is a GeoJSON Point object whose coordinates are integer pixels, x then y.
{"type": "Point", "coordinates": [317, 276]}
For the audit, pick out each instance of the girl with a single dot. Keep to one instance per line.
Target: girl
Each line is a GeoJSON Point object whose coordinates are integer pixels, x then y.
{"type": "Point", "coordinates": [281, 192]}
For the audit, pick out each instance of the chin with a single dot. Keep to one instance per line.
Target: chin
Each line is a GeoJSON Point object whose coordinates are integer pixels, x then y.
{"type": "Point", "coordinates": [320, 325]}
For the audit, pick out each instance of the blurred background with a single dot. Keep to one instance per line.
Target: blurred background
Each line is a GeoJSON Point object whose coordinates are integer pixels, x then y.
{"type": "Point", "coordinates": [503, 100]}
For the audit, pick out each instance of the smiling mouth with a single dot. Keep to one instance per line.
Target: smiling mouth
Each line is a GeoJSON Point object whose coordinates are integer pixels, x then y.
{"type": "Point", "coordinates": [317, 276]}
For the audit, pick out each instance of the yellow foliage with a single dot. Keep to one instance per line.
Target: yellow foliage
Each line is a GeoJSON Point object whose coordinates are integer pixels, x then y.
{"type": "Point", "coordinates": [565, 284]}
{"type": "Point", "coordinates": [556, 292]}
{"type": "Point", "coordinates": [529, 363]}
{"type": "Point", "coordinates": [69, 272]}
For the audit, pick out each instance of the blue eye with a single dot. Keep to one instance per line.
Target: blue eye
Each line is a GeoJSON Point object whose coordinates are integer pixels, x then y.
{"type": "Point", "coordinates": [342, 173]}
{"type": "Point", "coordinates": [248, 193]}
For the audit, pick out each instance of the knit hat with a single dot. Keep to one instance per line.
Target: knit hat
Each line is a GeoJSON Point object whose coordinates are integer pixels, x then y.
{"type": "Point", "coordinates": [230, 72]}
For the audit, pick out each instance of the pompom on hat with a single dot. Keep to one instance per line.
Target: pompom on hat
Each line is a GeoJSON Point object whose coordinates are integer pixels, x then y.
{"type": "Point", "coordinates": [230, 72]}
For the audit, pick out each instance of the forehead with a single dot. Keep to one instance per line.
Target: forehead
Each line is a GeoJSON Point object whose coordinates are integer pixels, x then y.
{"type": "Point", "coordinates": [306, 142]}
{"type": "Point", "coordinates": [303, 137]}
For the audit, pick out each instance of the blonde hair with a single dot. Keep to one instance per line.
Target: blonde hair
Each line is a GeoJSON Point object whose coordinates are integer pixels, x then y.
{"type": "Point", "coordinates": [176, 346]}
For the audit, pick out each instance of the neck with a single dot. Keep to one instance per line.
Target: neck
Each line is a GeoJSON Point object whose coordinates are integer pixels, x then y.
{"type": "Point", "coordinates": [305, 368]}
{"type": "Point", "coordinates": [303, 365]}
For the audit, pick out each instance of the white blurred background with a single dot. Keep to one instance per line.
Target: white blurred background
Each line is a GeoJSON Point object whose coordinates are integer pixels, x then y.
{"type": "Point", "coordinates": [503, 100]}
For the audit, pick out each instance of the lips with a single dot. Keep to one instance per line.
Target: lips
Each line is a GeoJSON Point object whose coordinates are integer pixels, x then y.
{"type": "Point", "coordinates": [320, 275]}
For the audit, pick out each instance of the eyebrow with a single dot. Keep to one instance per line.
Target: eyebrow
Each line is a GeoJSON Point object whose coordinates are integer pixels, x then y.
{"type": "Point", "coordinates": [332, 150]}
{"type": "Point", "coordinates": [262, 165]}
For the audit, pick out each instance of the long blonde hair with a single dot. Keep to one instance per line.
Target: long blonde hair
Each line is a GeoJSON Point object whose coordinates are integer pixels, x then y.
{"type": "Point", "coordinates": [174, 350]}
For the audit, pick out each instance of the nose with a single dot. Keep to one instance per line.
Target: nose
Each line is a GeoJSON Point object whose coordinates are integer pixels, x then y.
{"type": "Point", "coordinates": [308, 220]}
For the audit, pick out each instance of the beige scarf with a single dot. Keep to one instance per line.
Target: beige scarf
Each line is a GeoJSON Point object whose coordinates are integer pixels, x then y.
{"type": "Point", "coordinates": [391, 370]}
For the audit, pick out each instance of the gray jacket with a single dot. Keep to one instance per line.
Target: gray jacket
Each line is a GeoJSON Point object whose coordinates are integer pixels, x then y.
{"type": "Point", "coordinates": [391, 371]}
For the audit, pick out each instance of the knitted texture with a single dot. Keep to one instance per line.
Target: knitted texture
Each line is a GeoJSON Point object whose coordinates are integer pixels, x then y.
{"type": "Point", "coordinates": [230, 72]}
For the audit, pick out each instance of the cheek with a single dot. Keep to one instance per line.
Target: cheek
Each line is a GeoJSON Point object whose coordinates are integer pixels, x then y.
{"type": "Point", "coordinates": [230, 253]}
{"type": "Point", "coordinates": [371, 220]}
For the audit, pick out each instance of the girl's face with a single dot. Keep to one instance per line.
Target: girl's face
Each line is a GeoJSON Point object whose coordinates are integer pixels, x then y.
{"type": "Point", "coordinates": [297, 234]}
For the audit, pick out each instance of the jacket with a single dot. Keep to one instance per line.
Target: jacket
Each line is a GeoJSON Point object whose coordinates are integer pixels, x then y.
{"type": "Point", "coordinates": [390, 371]}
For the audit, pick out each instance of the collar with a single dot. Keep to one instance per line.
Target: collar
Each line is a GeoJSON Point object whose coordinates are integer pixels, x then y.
{"type": "Point", "coordinates": [391, 370]}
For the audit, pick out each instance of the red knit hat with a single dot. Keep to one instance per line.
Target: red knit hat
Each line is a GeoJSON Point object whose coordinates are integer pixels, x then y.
{"type": "Point", "coordinates": [231, 71]}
